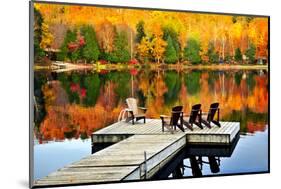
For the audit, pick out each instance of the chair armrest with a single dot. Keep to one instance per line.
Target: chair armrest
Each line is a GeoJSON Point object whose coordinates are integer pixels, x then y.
{"type": "Point", "coordinates": [129, 110]}
{"type": "Point", "coordinates": [143, 109]}
{"type": "Point", "coordinates": [164, 116]}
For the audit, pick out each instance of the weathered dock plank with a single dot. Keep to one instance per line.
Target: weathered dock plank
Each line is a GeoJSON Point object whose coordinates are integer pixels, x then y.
{"type": "Point", "coordinates": [125, 160]}
{"type": "Point", "coordinates": [121, 130]}
{"type": "Point", "coordinates": [122, 161]}
{"type": "Point", "coordinates": [85, 175]}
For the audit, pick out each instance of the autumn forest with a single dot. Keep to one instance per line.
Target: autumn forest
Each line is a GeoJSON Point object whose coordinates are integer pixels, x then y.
{"type": "Point", "coordinates": [86, 34]}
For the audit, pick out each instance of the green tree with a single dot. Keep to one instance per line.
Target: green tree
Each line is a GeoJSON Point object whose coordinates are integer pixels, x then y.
{"type": "Point", "coordinates": [238, 55]}
{"type": "Point", "coordinates": [192, 51]}
{"type": "Point", "coordinates": [212, 54]}
{"type": "Point", "coordinates": [251, 52]}
{"type": "Point", "coordinates": [170, 53]}
{"type": "Point", "coordinates": [90, 51]}
{"type": "Point", "coordinates": [140, 31]}
{"type": "Point", "coordinates": [38, 21]}
{"type": "Point", "coordinates": [120, 52]}
{"type": "Point", "coordinates": [64, 51]}
{"type": "Point", "coordinates": [228, 58]}
{"type": "Point", "coordinates": [170, 32]}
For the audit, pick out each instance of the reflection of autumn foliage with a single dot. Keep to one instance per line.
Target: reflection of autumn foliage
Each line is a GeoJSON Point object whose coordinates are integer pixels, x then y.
{"type": "Point", "coordinates": [55, 124]}
{"type": "Point", "coordinates": [156, 102]}
{"type": "Point", "coordinates": [248, 94]}
{"type": "Point", "coordinates": [62, 120]}
{"type": "Point", "coordinates": [253, 127]}
{"type": "Point", "coordinates": [133, 71]}
{"type": "Point", "coordinates": [74, 87]}
{"type": "Point", "coordinates": [259, 100]}
{"type": "Point", "coordinates": [242, 95]}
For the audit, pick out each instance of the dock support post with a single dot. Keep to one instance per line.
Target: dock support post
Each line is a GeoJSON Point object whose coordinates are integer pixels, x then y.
{"type": "Point", "coordinates": [145, 165]}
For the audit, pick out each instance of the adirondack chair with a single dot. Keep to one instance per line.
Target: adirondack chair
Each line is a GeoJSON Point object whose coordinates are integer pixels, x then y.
{"type": "Point", "coordinates": [135, 112]}
{"type": "Point", "coordinates": [176, 116]}
{"type": "Point", "coordinates": [194, 117]}
{"type": "Point", "coordinates": [207, 120]}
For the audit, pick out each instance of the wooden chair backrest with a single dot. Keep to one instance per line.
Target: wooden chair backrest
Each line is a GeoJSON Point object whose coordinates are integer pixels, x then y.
{"type": "Point", "coordinates": [176, 114]}
{"type": "Point", "coordinates": [212, 111]}
{"type": "Point", "coordinates": [132, 104]}
{"type": "Point", "coordinates": [194, 112]}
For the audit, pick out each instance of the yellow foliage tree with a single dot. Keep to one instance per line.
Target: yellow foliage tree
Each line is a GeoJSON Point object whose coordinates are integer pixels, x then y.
{"type": "Point", "coordinates": [144, 48]}
{"type": "Point", "coordinates": [158, 47]}
{"type": "Point", "coordinates": [47, 37]}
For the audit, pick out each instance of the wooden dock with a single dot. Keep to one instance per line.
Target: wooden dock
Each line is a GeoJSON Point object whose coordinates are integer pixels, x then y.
{"type": "Point", "coordinates": [121, 130]}
{"type": "Point", "coordinates": [139, 151]}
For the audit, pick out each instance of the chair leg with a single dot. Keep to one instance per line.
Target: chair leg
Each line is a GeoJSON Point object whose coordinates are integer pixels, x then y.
{"type": "Point", "coordinates": [207, 123]}
{"type": "Point", "coordinates": [216, 123]}
{"type": "Point", "coordinates": [180, 127]}
{"type": "Point", "coordinates": [199, 125]}
{"type": "Point", "coordinates": [144, 120]}
{"type": "Point", "coordinates": [185, 123]}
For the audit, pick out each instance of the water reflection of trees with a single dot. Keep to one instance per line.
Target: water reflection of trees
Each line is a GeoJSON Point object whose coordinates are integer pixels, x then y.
{"type": "Point", "coordinates": [75, 104]}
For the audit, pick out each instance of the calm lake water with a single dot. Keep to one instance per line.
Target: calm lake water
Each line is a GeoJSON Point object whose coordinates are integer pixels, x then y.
{"type": "Point", "coordinates": [71, 105]}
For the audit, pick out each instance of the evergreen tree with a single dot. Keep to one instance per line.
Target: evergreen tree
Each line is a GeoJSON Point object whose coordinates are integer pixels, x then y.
{"type": "Point", "coordinates": [38, 21]}
{"type": "Point", "coordinates": [90, 51]}
{"type": "Point", "coordinates": [140, 31]}
{"type": "Point", "coordinates": [170, 53]}
{"type": "Point", "coordinates": [212, 54]}
{"type": "Point", "coordinates": [64, 51]}
{"type": "Point", "coordinates": [120, 52]}
{"type": "Point", "coordinates": [228, 58]}
{"type": "Point", "coordinates": [238, 55]}
{"type": "Point", "coordinates": [192, 51]}
{"type": "Point", "coordinates": [251, 52]}
{"type": "Point", "coordinates": [170, 32]}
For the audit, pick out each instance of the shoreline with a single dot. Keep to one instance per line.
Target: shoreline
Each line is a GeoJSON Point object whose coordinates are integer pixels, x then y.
{"type": "Point", "coordinates": [65, 66]}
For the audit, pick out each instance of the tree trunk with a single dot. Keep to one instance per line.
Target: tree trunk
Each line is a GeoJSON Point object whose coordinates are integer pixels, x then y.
{"type": "Point", "coordinates": [223, 47]}
{"type": "Point", "coordinates": [131, 44]}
